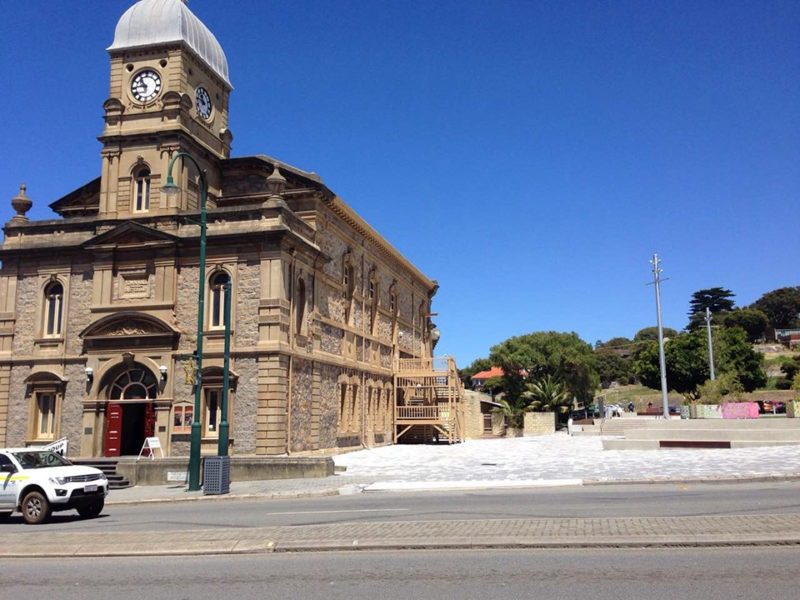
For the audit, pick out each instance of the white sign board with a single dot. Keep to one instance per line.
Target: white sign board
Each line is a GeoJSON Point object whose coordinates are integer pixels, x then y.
{"type": "Point", "coordinates": [150, 444]}
{"type": "Point", "coordinates": [176, 475]}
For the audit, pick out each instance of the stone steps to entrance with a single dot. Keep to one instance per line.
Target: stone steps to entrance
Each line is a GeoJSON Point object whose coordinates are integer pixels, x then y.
{"type": "Point", "coordinates": [109, 467]}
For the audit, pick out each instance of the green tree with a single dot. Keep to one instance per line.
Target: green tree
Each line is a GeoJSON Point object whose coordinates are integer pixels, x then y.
{"type": "Point", "coordinates": [752, 320]}
{"type": "Point", "coordinates": [527, 358]}
{"type": "Point", "coordinates": [651, 333]}
{"type": "Point", "coordinates": [686, 358]}
{"type": "Point", "coordinates": [790, 367]}
{"type": "Point", "coordinates": [781, 306]}
{"type": "Point", "coordinates": [493, 385]}
{"type": "Point", "coordinates": [734, 354]}
{"type": "Point", "coordinates": [716, 299]}
{"type": "Point", "coordinates": [613, 367]}
{"type": "Point", "coordinates": [615, 342]}
{"type": "Point", "coordinates": [713, 392]}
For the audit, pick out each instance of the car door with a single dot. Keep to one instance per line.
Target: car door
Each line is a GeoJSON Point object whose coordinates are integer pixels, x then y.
{"type": "Point", "coordinates": [8, 484]}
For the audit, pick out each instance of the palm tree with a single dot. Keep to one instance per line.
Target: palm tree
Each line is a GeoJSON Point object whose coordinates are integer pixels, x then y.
{"type": "Point", "coordinates": [514, 409]}
{"type": "Point", "coordinates": [547, 394]}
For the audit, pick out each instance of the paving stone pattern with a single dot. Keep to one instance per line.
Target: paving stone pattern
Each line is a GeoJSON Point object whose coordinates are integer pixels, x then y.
{"type": "Point", "coordinates": [560, 456]}
{"type": "Point", "coordinates": [641, 531]}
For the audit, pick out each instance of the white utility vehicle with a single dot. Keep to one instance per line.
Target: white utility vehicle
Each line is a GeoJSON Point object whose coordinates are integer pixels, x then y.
{"type": "Point", "coordinates": [36, 482]}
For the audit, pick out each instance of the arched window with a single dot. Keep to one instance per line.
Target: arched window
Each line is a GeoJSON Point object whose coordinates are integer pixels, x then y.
{"type": "Point", "coordinates": [217, 297]}
{"type": "Point", "coordinates": [53, 309]}
{"type": "Point", "coordinates": [137, 383]}
{"type": "Point", "coordinates": [141, 190]}
{"type": "Point", "coordinates": [300, 308]}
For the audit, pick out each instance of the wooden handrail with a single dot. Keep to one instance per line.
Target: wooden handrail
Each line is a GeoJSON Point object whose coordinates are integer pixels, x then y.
{"type": "Point", "coordinates": [418, 412]}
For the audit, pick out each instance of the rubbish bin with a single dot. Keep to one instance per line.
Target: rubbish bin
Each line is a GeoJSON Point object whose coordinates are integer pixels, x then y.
{"type": "Point", "coordinates": [216, 475]}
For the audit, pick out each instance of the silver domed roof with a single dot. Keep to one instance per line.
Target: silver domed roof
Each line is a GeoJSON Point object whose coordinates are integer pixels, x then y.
{"type": "Point", "coordinates": [150, 22]}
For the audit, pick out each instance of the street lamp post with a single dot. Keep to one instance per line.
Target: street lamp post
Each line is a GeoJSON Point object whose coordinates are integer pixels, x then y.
{"type": "Point", "coordinates": [170, 189]}
{"type": "Point", "coordinates": [222, 444]}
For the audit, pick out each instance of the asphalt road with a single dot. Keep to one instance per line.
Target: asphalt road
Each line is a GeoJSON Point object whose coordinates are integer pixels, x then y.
{"type": "Point", "coordinates": [596, 501]}
{"type": "Point", "coordinates": [611, 574]}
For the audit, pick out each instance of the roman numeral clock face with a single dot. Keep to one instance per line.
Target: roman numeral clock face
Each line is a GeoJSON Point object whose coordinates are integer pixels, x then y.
{"type": "Point", "coordinates": [146, 85]}
{"type": "Point", "coordinates": [203, 101]}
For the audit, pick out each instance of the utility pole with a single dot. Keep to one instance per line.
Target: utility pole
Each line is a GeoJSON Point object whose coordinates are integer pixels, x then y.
{"type": "Point", "coordinates": [710, 344]}
{"type": "Point", "coordinates": [661, 361]}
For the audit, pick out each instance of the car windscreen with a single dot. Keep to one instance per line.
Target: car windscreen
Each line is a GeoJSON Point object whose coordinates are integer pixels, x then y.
{"type": "Point", "coordinates": [40, 459]}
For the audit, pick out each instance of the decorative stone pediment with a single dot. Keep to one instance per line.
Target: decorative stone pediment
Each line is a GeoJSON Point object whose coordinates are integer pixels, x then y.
{"type": "Point", "coordinates": [81, 202]}
{"type": "Point", "coordinates": [129, 330]}
{"type": "Point", "coordinates": [131, 235]}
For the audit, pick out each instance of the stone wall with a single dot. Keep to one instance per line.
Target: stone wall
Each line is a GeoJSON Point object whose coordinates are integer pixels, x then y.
{"type": "Point", "coordinates": [28, 292]}
{"type": "Point", "coordinates": [246, 296]}
{"type": "Point", "coordinates": [18, 406]}
{"type": "Point", "coordinates": [302, 402]}
{"type": "Point", "coordinates": [78, 315]}
{"type": "Point", "coordinates": [473, 417]}
{"type": "Point", "coordinates": [186, 307]}
{"type": "Point", "coordinates": [331, 339]}
{"type": "Point", "coordinates": [329, 405]}
{"type": "Point", "coordinates": [539, 423]}
{"type": "Point", "coordinates": [72, 407]}
{"type": "Point", "coordinates": [243, 421]}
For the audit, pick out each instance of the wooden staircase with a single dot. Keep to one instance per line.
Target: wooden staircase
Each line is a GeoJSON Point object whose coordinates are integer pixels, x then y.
{"type": "Point", "coordinates": [109, 467]}
{"type": "Point", "coordinates": [428, 401]}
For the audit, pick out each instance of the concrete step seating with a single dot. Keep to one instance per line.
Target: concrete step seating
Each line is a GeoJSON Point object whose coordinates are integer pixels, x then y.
{"type": "Point", "coordinates": [708, 433]}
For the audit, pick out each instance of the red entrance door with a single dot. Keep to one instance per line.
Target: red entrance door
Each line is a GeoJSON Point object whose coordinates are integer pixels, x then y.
{"type": "Point", "coordinates": [113, 439]}
{"type": "Point", "coordinates": [149, 420]}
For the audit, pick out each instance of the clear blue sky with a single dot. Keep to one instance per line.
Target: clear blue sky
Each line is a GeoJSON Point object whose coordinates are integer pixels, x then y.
{"type": "Point", "coordinates": [531, 156]}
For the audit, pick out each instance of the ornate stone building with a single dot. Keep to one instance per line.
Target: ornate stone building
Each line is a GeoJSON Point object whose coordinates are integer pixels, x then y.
{"type": "Point", "coordinates": [98, 308]}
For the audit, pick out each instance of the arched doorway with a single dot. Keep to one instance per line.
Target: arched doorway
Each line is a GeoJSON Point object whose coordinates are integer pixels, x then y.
{"type": "Point", "coordinates": [130, 416]}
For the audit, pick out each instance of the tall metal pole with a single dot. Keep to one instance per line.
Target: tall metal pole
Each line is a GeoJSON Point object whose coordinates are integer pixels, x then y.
{"type": "Point", "coordinates": [222, 444]}
{"type": "Point", "coordinates": [194, 446]}
{"type": "Point", "coordinates": [661, 360]}
{"type": "Point", "coordinates": [710, 344]}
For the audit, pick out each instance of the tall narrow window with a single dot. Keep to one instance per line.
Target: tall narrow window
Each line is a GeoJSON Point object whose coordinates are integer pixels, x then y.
{"type": "Point", "coordinates": [355, 418]}
{"type": "Point", "coordinates": [342, 407]}
{"type": "Point", "coordinates": [142, 190]}
{"type": "Point", "coordinates": [217, 293]}
{"type": "Point", "coordinates": [372, 294]}
{"type": "Point", "coordinates": [213, 398]}
{"type": "Point", "coordinates": [53, 309]}
{"type": "Point", "coordinates": [45, 415]}
{"type": "Point", "coordinates": [393, 307]}
{"type": "Point", "coordinates": [348, 280]}
{"type": "Point", "coordinates": [300, 308]}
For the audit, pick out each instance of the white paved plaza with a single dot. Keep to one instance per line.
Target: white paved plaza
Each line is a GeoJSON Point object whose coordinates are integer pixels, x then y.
{"type": "Point", "coordinates": [560, 457]}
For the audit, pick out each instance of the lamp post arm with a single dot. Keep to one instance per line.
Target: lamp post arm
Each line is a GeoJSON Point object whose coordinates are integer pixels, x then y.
{"type": "Point", "coordinates": [175, 157]}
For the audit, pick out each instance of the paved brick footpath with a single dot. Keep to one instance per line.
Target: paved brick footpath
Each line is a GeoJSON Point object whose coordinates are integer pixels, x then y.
{"type": "Point", "coordinates": [500, 533]}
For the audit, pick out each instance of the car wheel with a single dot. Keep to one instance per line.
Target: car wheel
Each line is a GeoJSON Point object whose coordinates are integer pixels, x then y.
{"type": "Point", "coordinates": [35, 508]}
{"type": "Point", "coordinates": [90, 511]}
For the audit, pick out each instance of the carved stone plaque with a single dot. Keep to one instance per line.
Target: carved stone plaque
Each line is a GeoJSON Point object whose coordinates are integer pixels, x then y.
{"type": "Point", "coordinates": [135, 286]}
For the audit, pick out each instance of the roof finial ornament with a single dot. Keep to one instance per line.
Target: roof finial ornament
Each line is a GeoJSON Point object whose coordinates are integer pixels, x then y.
{"type": "Point", "coordinates": [22, 204]}
{"type": "Point", "coordinates": [276, 183]}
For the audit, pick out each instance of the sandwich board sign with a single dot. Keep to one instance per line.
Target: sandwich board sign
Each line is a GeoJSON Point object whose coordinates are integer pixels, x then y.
{"type": "Point", "coordinates": [151, 444]}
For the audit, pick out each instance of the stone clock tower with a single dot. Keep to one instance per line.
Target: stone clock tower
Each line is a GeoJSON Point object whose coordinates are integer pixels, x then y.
{"type": "Point", "coordinates": [101, 312]}
{"type": "Point", "coordinates": [169, 91]}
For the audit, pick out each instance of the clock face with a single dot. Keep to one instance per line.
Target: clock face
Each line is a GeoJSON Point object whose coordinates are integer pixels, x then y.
{"type": "Point", "coordinates": [146, 85]}
{"type": "Point", "coordinates": [203, 101]}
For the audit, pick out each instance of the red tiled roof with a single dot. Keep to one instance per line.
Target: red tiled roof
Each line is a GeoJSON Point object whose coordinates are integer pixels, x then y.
{"type": "Point", "coordinates": [493, 372]}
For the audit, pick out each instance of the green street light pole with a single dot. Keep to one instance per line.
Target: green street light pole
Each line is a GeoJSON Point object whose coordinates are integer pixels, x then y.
{"type": "Point", "coordinates": [170, 188]}
{"type": "Point", "coordinates": [222, 444]}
